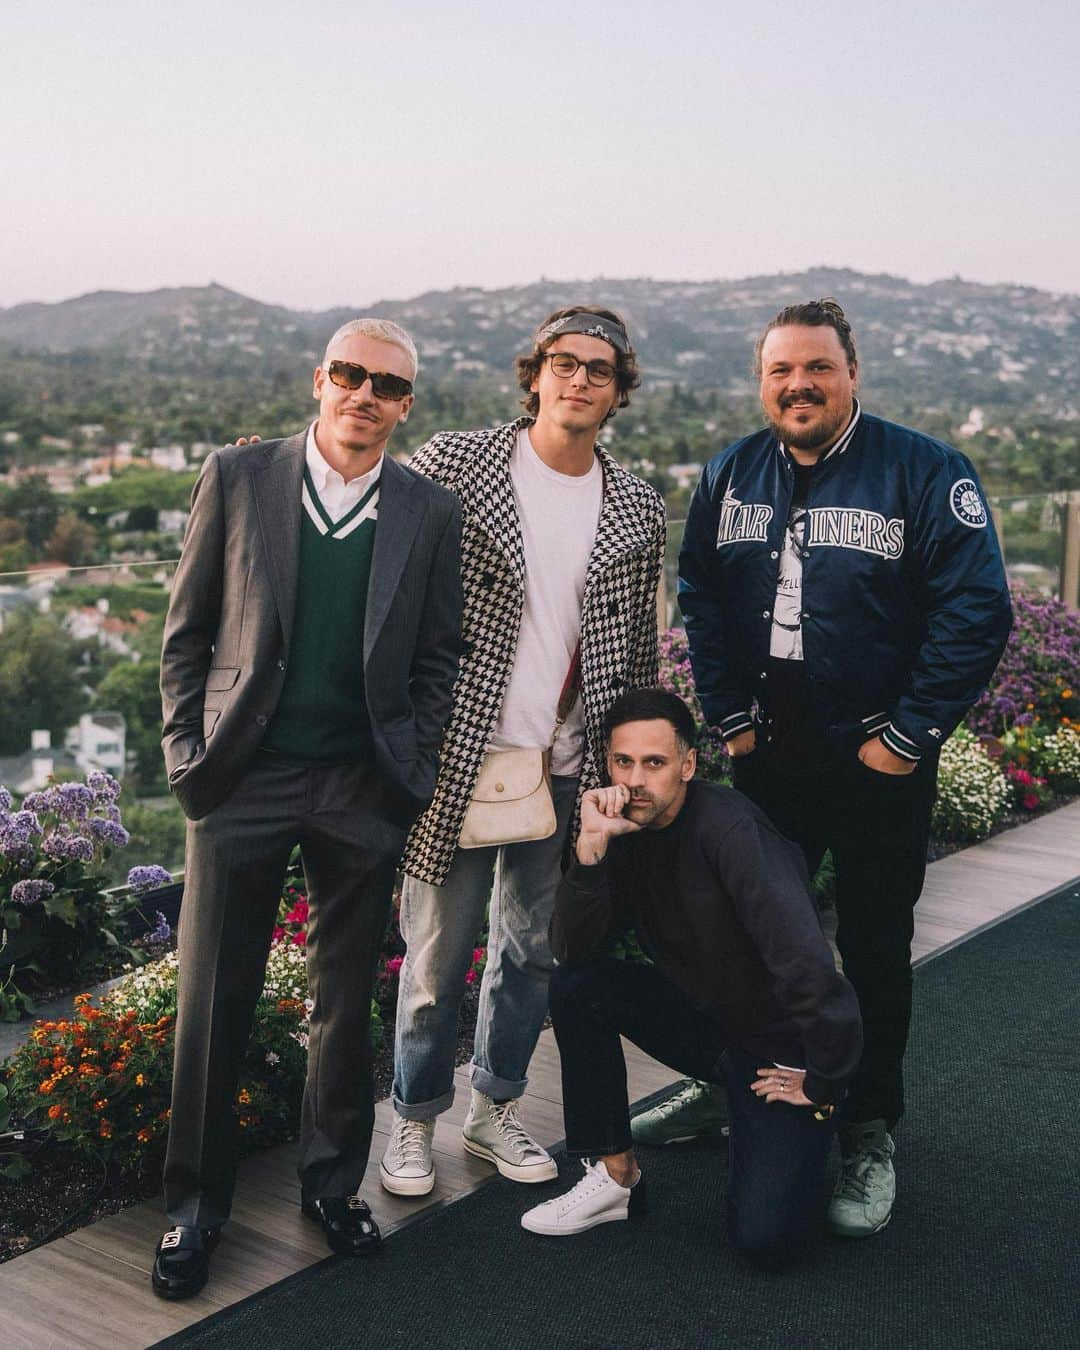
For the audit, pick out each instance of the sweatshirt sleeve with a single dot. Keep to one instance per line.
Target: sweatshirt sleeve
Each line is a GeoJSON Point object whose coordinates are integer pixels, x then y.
{"type": "Point", "coordinates": [586, 915]}
{"type": "Point", "coordinates": [765, 877]}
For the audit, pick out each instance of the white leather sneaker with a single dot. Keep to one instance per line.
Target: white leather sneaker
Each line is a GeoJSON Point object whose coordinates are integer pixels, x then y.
{"type": "Point", "coordinates": [493, 1131]}
{"type": "Point", "coordinates": [407, 1167]}
{"type": "Point", "coordinates": [595, 1199]}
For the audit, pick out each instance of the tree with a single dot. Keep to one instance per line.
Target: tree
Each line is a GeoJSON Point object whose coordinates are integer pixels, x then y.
{"type": "Point", "coordinates": [72, 541]}
{"type": "Point", "coordinates": [39, 684]}
{"type": "Point", "coordinates": [33, 502]}
{"type": "Point", "coordinates": [132, 689]}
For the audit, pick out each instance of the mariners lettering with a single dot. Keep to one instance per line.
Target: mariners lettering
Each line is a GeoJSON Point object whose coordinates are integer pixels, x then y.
{"type": "Point", "coordinates": [742, 521]}
{"type": "Point", "coordinates": [853, 527]}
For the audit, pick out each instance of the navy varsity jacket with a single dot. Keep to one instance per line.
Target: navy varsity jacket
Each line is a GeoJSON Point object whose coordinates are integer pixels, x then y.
{"type": "Point", "coordinates": [906, 608]}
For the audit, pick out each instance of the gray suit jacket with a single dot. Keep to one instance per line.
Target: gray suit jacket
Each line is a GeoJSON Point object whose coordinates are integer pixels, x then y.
{"type": "Point", "coordinates": [230, 620]}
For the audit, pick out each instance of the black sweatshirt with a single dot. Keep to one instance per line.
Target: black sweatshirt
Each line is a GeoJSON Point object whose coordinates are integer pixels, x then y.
{"type": "Point", "coordinates": [719, 900]}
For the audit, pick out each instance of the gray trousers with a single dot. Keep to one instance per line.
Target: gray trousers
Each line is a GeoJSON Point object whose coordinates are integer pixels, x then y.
{"type": "Point", "coordinates": [235, 866]}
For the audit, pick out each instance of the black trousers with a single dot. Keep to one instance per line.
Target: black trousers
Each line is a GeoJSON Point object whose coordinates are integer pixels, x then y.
{"type": "Point", "coordinates": [877, 827]}
{"type": "Point", "coordinates": [776, 1153]}
{"type": "Point", "coordinates": [235, 866]}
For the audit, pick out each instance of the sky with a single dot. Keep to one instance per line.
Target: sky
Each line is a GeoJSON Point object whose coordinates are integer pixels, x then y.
{"type": "Point", "coordinates": [329, 154]}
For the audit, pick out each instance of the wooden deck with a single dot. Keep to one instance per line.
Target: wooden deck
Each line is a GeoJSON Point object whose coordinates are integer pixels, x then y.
{"type": "Point", "coordinates": [92, 1289]}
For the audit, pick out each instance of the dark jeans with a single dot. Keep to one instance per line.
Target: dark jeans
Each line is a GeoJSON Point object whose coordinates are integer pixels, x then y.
{"type": "Point", "coordinates": [877, 826]}
{"type": "Point", "coordinates": [236, 860]}
{"type": "Point", "coordinates": [776, 1153]}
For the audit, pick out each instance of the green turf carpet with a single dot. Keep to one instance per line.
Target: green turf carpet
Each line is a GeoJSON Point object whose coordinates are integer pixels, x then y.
{"type": "Point", "coordinates": [983, 1250]}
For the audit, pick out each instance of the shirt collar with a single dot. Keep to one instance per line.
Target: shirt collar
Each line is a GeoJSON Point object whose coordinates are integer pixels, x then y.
{"type": "Point", "coordinates": [324, 475]}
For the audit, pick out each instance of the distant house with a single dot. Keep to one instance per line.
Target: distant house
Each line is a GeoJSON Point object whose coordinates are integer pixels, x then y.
{"type": "Point", "coordinates": [97, 741]}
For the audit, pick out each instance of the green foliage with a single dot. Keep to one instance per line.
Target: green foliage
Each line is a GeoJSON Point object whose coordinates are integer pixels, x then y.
{"type": "Point", "coordinates": [34, 505]}
{"type": "Point", "coordinates": [131, 689]}
{"type": "Point", "coordinates": [135, 488]}
{"type": "Point", "coordinates": [38, 684]}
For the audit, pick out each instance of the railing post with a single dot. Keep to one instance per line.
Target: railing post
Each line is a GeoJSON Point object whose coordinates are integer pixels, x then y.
{"type": "Point", "coordinates": [1070, 551]}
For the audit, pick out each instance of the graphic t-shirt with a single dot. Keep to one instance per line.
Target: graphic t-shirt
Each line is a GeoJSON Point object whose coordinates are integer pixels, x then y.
{"type": "Point", "coordinates": [558, 514]}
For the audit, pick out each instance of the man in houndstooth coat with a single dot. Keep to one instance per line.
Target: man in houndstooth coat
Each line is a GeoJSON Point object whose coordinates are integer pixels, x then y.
{"type": "Point", "coordinates": [559, 544]}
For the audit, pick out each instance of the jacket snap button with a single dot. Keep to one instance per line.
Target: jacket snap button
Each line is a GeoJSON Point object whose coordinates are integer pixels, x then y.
{"type": "Point", "coordinates": [499, 787]}
{"type": "Point", "coordinates": [281, 664]}
{"type": "Point", "coordinates": [774, 554]}
{"type": "Point", "coordinates": [261, 720]}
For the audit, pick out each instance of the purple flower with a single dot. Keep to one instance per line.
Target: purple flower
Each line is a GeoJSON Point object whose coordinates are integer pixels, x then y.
{"type": "Point", "coordinates": [108, 832]}
{"type": "Point", "coordinates": [74, 801]}
{"type": "Point", "coordinates": [103, 785]}
{"type": "Point", "coordinates": [68, 847]}
{"type": "Point", "coordinates": [147, 878]}
{"type": "Point", "coordinates": [16, 831]}
{"type": "Point", "coordinates": [42, 802]}
{"type": "Point", "coordinates": [5, 799]}
{"type": "Point", "coordinates": [161, 932]}
{"type": "Point", "coordinates": [29, 891]}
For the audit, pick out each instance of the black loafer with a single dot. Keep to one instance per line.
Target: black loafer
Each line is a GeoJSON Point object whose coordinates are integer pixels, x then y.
{"type": "Point", "coordinates": [350, 1230]}
{"type": "Point", "coordinates": [182, 1261]}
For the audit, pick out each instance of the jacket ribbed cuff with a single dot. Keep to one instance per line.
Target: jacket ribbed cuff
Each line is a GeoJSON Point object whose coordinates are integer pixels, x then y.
{"type": "Point", "coordinates": [735, 723]}
{"type": "Point", "coordinates": [900, 744]}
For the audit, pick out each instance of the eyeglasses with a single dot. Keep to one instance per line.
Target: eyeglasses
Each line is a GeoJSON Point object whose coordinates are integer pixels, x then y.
{"type": "Point", "coordinates": [565, 365]}
{"type": "Point", "coordinates": [347, 375]}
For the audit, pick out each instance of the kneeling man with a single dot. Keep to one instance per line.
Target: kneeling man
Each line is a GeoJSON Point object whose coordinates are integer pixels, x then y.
{"type": "Point", "coordinates": [743, 989]}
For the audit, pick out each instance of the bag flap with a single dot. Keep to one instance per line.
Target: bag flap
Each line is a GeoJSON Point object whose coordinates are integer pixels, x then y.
{"type": "Point", "coordinates": [509, 775]}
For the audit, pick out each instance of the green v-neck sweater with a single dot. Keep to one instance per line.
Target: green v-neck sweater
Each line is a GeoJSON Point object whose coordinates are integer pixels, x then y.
{"type": "Point", "coordinates": [322, 713]}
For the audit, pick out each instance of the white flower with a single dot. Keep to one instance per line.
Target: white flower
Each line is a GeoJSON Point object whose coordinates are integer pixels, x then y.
{"type": "Point", "coordinates": [271, 1058]}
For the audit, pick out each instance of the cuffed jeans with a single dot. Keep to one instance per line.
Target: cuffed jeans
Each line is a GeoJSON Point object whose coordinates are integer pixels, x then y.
{"type": "Point", "coordinates": [776, 1153]}
{"type": "Point", "coordinates": [877, 826]}
{"type": "Point", "coordinates": [440, 925]}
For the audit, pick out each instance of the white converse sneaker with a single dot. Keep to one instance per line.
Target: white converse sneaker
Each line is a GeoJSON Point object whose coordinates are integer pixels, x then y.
{"type": "Point", "coordinates": [406, 1167]}
{"type": "Point", "coordinates": [493, 1131]}
{"type": "Point", "coordinates": [595, 1199]}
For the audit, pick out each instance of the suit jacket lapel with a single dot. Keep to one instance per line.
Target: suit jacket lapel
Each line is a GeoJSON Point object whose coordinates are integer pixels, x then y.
{"type": "Point", "coordinates": [276, 482]}
{"type": "Point", "coordinates": [398, 521]}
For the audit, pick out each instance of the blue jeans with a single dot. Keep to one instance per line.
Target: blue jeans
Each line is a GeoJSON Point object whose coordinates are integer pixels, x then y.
{"type": "Point", "coordinates": [440, 925]}
{"type": "Point", "coordinates": [776, 1153]}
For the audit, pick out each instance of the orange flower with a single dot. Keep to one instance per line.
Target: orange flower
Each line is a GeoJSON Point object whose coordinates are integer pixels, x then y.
{"type": "Point", "coordinates": [140, 1081]}
{"type": "Point", "coordinates": [55, 1111]}
{"type": "Point", "coordinates": [117, 1065]}
{"type": "Point", "coordinates": [1066, 693]}
{"type": "Point", "coordinates": [105, 1129]}
{"type": "Point", "coordinates": [47, 1085]}
{"type": "Point", "coordinates": [101, 1104]}
{"type": "Point", "coordinates": [244, 1097]}
{"type": "Point", "coordinates": [145, 1135]}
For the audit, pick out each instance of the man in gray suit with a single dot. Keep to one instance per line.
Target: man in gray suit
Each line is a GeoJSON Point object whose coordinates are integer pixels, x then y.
{"type": "Point", "coordinates": [310, 651]}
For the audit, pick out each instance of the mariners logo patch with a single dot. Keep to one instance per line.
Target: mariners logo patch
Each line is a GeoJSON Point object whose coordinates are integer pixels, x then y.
{"type": "Point", "coordinates": [967, 505]}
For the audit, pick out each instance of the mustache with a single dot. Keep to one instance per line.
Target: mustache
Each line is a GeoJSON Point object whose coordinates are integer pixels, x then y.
{"type": "Point", "coordinates": [810, 396]}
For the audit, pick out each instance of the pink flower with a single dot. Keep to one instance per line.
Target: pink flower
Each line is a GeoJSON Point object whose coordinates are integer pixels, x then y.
{"type": "Point", "coordinates": [393, 966]}
{"type": "Point", "coordinates": [470, 977]}
{"type": "Point", "coordinates": [478, 954]}
{"type": "Point", "coordinates": [1030, 801]}
{"type": "Point", "coordinates": [277, 934]}
{"type": "Point", "coordinates": [299, 939]}
{"type": "Point", "coordinates": [299, 912]}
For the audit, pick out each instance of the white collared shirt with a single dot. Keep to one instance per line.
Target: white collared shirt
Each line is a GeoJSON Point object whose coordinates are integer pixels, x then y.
{"type": "Point", "coordinates": [337, 496]}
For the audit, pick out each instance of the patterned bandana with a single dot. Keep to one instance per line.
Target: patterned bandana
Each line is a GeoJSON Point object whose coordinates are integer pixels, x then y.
{"type": "Point", "coordinates": [593, 325]}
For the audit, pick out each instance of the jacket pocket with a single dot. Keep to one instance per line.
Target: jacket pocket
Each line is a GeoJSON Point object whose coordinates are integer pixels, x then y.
{"type": "Point", "coordinates": [221, 678]}
{"type": "Point", "coordinates": [209, 721]}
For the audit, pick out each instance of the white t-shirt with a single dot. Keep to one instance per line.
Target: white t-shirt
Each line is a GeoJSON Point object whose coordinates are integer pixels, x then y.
{"type": "Point", "coordinates": [558, 514]}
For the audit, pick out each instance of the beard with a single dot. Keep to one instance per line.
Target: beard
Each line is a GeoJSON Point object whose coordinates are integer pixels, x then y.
{"type": "Point", "coordinates": [817, 436]}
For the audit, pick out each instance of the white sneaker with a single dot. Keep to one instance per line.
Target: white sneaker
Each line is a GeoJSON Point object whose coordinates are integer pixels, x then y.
{"type": "Point", "coordinates": [493, 1131]}
{"type": "Point", "coordinates": [407, 1167]}
{"type": "Point", "coordinates": [595, 1199]}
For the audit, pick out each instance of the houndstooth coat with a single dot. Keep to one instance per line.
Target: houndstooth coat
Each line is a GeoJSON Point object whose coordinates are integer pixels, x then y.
{"type": "Point", "coordinates": [618, 616]}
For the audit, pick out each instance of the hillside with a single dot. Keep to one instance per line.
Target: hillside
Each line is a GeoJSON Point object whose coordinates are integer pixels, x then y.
{"type": "Point", "coordinates": [945, 346]}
